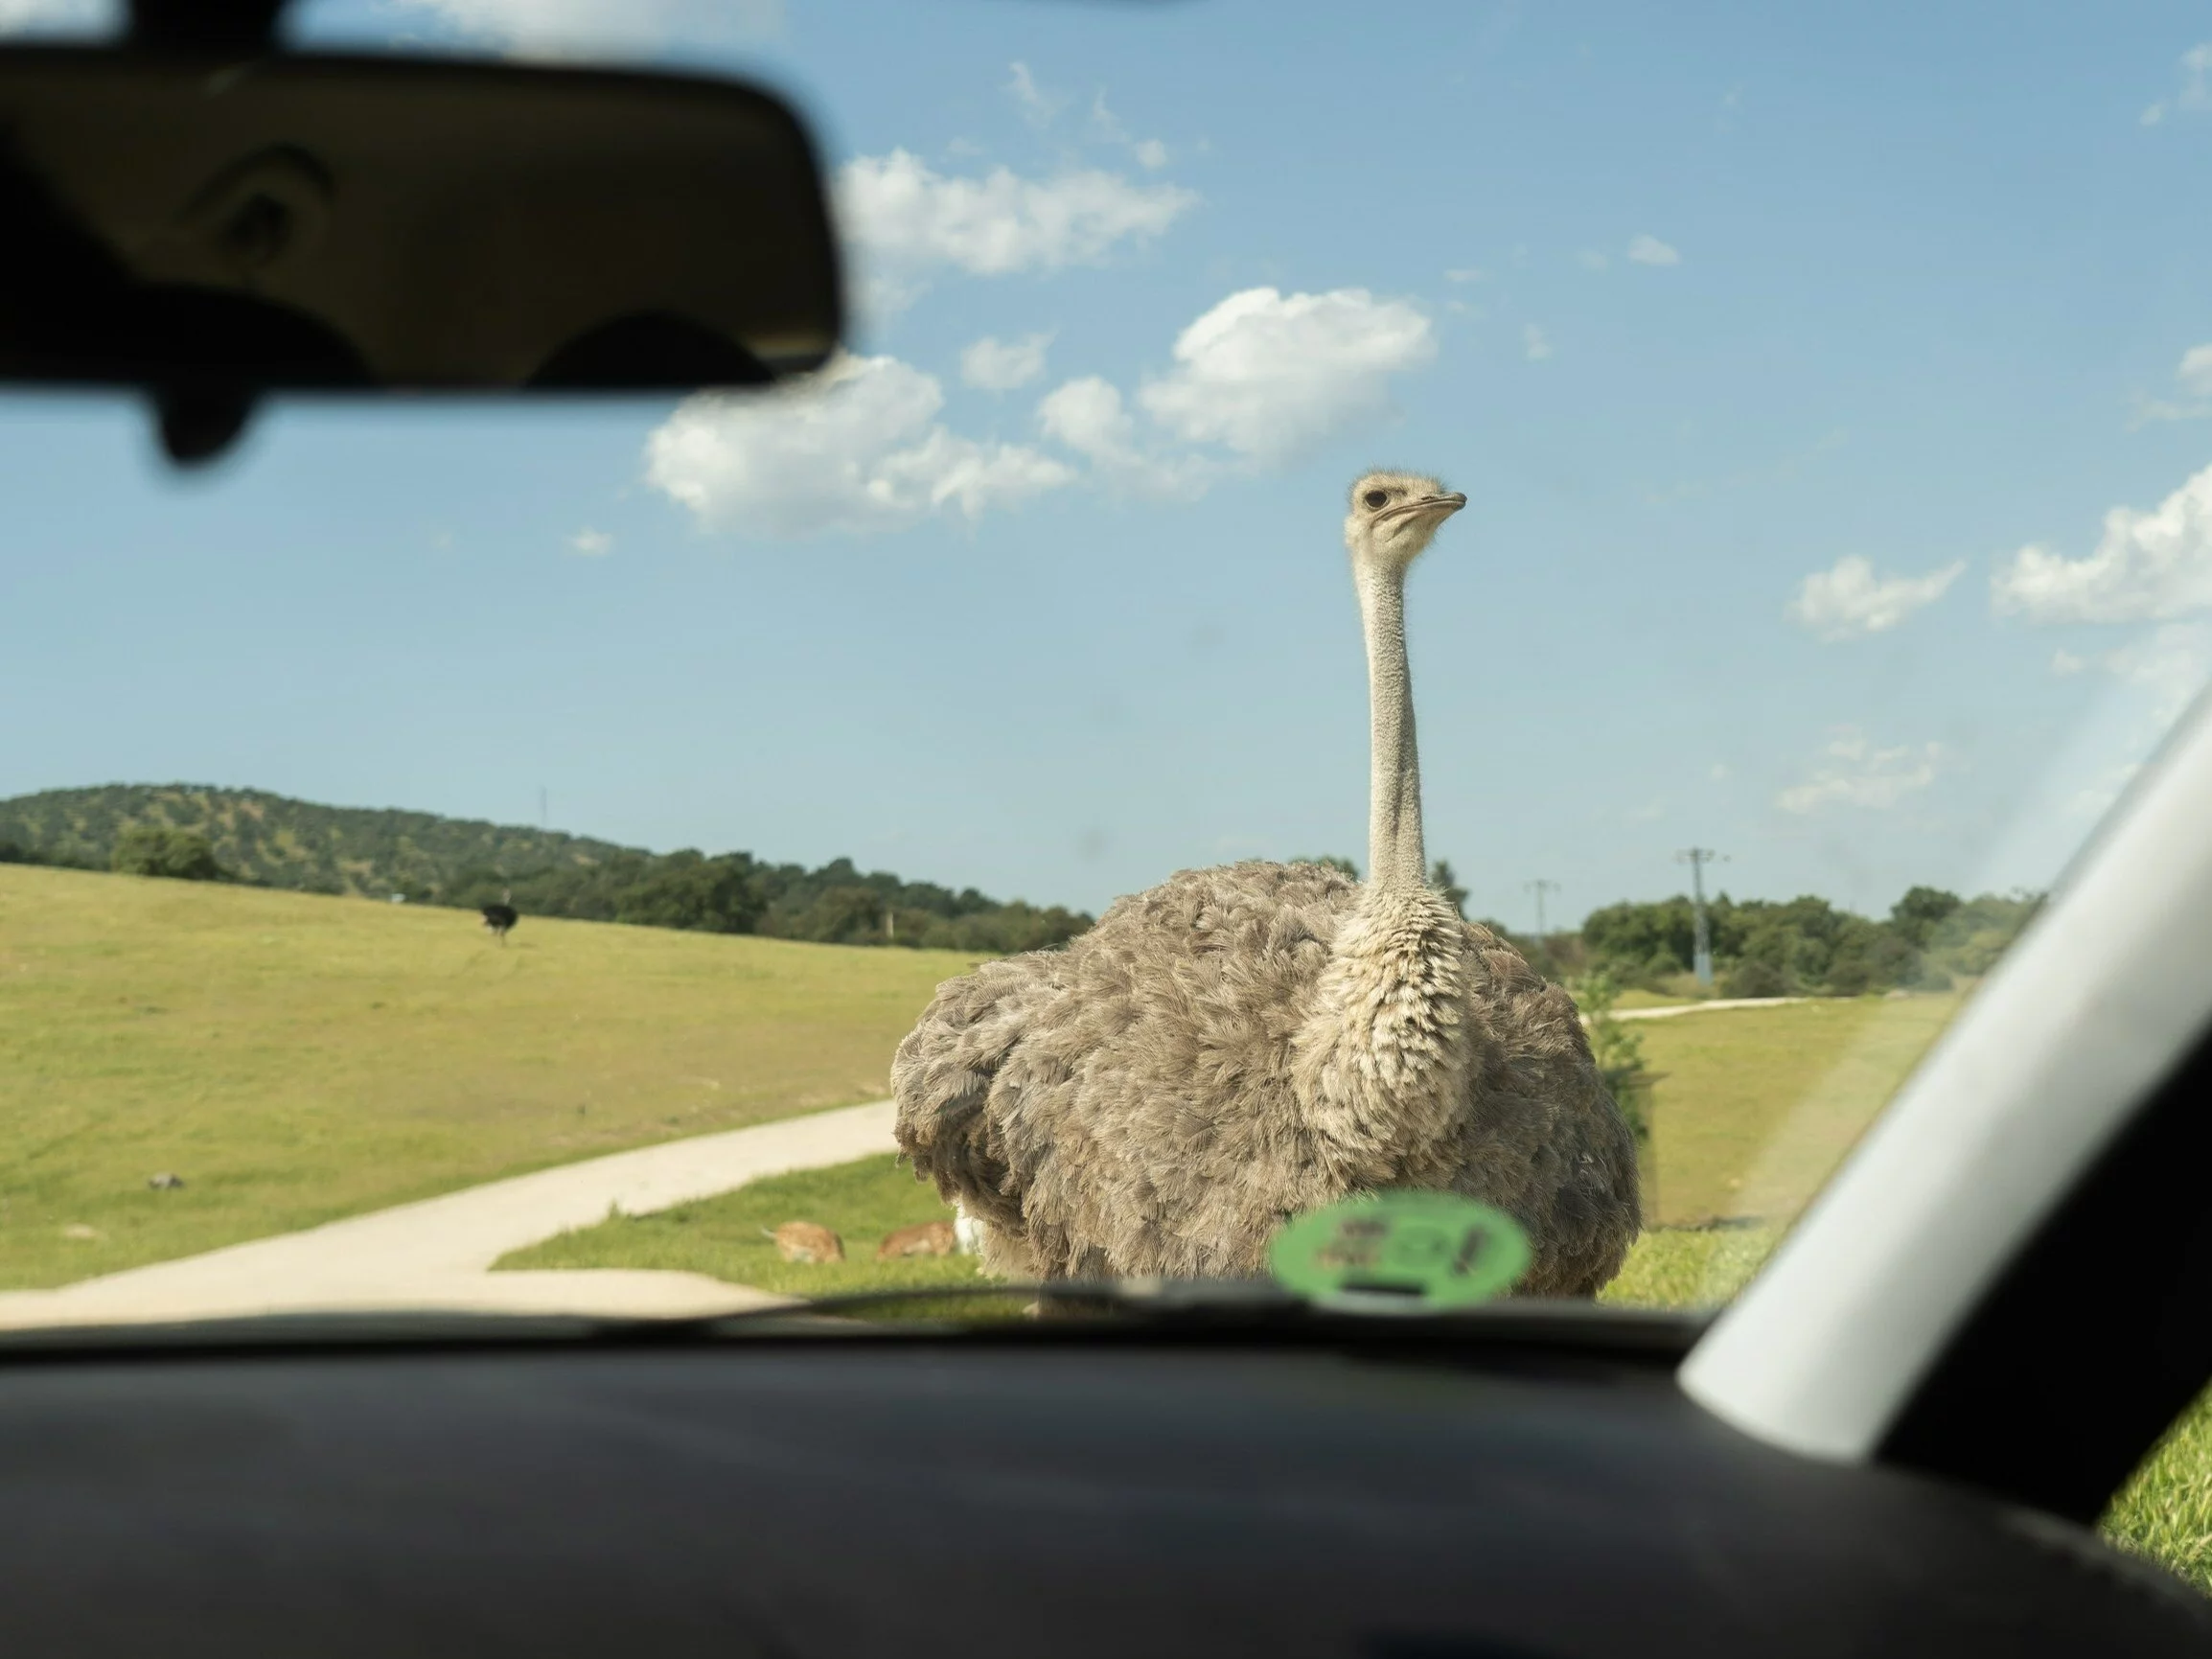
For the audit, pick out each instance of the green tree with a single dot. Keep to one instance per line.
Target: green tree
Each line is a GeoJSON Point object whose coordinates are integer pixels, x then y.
{"type": "Point", "coordinates": [687, 889]}
{"type": "Point", "coordinates": [1969, 941]}
{"type": "Point", "coordinates": [1643, 942]}
{"type": "Point", "coordinates": [847, 914]}
{"type": "Point", "coordinates": [1442, 879]}
{"type": "Point", "coordinates": [1618, 1052]}
{"type": "Point", "coordinates": [145, 849]}
{"type": "Point", "coordinates": [1920, 912]}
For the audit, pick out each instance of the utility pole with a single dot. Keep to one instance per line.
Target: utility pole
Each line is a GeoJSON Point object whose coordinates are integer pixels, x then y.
{"type": "Point", "coordinates": [1540, 886]}
{"type": "Point", "coordinates": [1701, 960]}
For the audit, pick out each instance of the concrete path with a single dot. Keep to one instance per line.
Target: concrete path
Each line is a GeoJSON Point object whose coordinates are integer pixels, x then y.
{"type": "Point", "coordinates": [438, 1253]}
{"type": "Point", "coordinates": [1718, 1003]}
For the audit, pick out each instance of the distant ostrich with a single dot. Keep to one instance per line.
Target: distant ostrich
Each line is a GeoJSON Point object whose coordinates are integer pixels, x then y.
{"type": "Point", "coordinates": [1242, 1043]}
{"type": "Point", "coordinates": [502, 917]}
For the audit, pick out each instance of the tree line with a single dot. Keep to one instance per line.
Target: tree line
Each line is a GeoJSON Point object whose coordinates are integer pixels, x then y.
{"type": "Point", "coordinates": [1805, 946]}
{"type": "Point", "coordinates": [1930, 939]}
{"type": "Point", "coordinates": [737, 893]}
{"type": "Point", "coordinates": [197, 833]}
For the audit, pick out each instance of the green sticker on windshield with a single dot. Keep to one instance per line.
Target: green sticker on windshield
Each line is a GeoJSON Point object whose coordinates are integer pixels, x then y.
{"type": "Point", "coordinates": [1419, 1250]}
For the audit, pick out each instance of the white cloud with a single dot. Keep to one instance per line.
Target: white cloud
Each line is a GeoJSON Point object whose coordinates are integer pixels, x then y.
{"type": "Point", "coordinates": [1536, 343]}
{"type": "Point", "coordinates": [2151, 409]}
{"type": "Point", "coordinates": [592, 543]}
{"type": "Point", "coordinates": [1853, 773]}
{"type": "Point", "coordinates": [1089, 416]}
{"type": "Point", "coordinates": [2194, 373]}
{"type": "Point", "coordinates": [2152, 567]}
{"type": "Point", "coordinates": [583, 28]}
{"type": "Point", "coordinates": [1040, 109]}
{"type": "Point", "coordinates": [858, 449]}
{"type": "Point", "coordinates": [2196, 93]}
{"type": "Point", "coordinates": [910, 219]}
{"type": "Point", "coordinates": [996, 365]}
{"type": "Point", "coordinates": [1149, 153]}
{"type": "Point", "coordinates": [2171, 663]}
{"type": "Point", "coordinates": [1650, 250]}
{"type": "Point", "coordinates": [2155, 567]}
{"type": "Point", "coordinates": [1590, 259]}
{"type": "Point", "coordinates": [863, 447]}
{"type": "Point", "coordinates": [2160, 672]}
{"type": "Point", "coordinates": [2196, 76]}
{"type": "Point", "coordinates": [1267, 374]}
{"type": "Point", "coordinates": [1040, 106]}
{"type": "Point", "coordinates": [1849, 600]}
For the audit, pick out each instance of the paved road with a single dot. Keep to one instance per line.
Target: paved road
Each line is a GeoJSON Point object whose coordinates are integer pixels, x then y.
{"type": "Point", "coordinates": [1718, 1002]}
{"type": "Point", "coordinates": [438, 1253]}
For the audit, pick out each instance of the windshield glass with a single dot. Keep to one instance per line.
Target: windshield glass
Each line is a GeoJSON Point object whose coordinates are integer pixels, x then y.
{"type": "Point", "coordinates": [960, 818]}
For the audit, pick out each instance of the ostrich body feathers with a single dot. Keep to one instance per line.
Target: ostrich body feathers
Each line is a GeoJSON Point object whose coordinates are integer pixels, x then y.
{"type": "Point", "coordinates": [1239, 1045]}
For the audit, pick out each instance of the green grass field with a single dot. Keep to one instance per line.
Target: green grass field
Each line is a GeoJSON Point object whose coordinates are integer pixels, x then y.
{"type": "Point", "coordinates": [2165, 1512]}
{"type": "Point", "coordinates": [1756, 1106]}
{"type": "Point", "coordinates": [296, 1059]}
{"type": "Point", "coordinates": [723, 1238]}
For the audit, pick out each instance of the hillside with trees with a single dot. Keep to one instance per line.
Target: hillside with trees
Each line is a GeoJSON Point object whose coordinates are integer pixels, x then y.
{"type": "Point", "coordinates": [263, 839]}
{"type": "Point", "coordinates": [1930, 940]}
{"type": "Point", "coordinates": [1804, 946]}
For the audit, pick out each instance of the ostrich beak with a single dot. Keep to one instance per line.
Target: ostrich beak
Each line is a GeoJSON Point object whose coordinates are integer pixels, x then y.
{"type": "Point", "coordinates": [1443, 506]}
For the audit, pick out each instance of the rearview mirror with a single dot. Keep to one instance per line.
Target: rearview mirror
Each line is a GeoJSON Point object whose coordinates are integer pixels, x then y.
{"type": "Point", "coordinates": [210, 228]}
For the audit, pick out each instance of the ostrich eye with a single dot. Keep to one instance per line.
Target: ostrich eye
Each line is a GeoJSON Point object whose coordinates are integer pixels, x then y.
{"type": "Point", "coordinates": [1376, 498]}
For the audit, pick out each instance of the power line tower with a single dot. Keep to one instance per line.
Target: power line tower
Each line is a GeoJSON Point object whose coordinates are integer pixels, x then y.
{"type": "Point", "coordinates": [1540, 886]}
{"type": "Point", "coordinates": [1701, 958]}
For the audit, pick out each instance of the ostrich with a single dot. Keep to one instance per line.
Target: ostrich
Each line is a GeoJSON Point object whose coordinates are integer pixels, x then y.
{"type": "Point", "coordinates": [1242, 1043]}
{"type": "Point", "coordinates": [503, 915]}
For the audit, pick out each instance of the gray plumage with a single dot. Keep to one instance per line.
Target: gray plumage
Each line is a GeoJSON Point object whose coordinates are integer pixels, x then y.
{"type": "Point", "coordinates": [1242, 1043]}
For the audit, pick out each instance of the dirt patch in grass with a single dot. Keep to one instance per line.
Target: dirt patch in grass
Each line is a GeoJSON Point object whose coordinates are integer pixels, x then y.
{"type": "Point", "coordinates": [725, 1238]}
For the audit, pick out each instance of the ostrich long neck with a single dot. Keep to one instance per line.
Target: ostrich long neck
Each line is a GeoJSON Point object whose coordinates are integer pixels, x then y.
{"type": "Point", "coordinates": [1379, 1062]}
{"type": "Point", "coordinates": [1396, 856]}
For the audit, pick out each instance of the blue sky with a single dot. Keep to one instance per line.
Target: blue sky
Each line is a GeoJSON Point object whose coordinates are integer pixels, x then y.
{"type": "Point", "coordinates": [1764, 345]}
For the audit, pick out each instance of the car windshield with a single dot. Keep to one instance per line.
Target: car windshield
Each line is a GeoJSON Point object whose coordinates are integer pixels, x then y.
{"type": "Point", "coordinates": [957, 817]}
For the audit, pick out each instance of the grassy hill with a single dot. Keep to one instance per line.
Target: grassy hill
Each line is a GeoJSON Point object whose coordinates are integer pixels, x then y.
{"type": "Point", "coordinates": [296, 1059]}
{"type": "Point", "coordinates": [273, 841]}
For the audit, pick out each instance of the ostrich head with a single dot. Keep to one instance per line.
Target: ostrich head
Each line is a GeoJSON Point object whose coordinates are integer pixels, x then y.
{"type": "Point", "coordinates": [1395, 515]}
